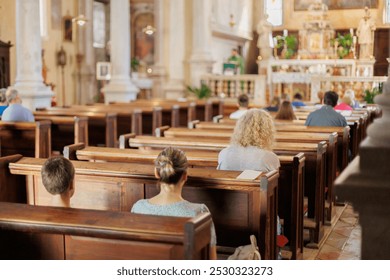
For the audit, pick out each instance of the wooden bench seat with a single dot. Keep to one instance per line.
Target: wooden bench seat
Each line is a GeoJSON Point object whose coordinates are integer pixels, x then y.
{"type": "Point", "coordinates": [315, 155]}
{"type": "Point", "coordinates": [66, 130]}
{"type": "Point", "coordinates": [280, 136]}
{"type": "Point", "coordinates": [41, 232]}
{"type": "Point", "coordinates": [292, 126]}
{"type": "Point", "coordinates": [101, 126]}
{"type": "Point", "coordinates": [238, 207]}
{"type": "Point", "coordinates": [32, 139]}
{"type": "Point", "coordinates": [290, 198]}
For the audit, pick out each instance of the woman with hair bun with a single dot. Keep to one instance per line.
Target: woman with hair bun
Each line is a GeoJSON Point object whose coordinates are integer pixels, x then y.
{"type": "Point", "coordinates": [171, 171]}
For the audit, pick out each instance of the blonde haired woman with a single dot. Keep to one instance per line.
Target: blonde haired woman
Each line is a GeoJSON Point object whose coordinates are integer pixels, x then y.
{"type": "Point", "coordinates": [251, 144]}
{"type": "Point", "coordinates": [171, 171]}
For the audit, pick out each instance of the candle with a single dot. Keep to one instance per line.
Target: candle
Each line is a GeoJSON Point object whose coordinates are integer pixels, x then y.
{"type": "Point", "coordinates": [351, 30]}
{"type": "Point", "coordinates": [285, 32]}
{"type": "Point", "coordinates": [354, 39]}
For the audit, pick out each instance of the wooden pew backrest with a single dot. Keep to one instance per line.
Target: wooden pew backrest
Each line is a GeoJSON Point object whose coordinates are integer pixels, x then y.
{"type": "Point", "coordinates": [66, 233]}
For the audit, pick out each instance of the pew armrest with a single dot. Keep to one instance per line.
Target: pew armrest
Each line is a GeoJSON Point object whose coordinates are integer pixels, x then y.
{"type": "Point", "coordinates": [124, 140]}
{"type": "Point", "coordinates": [192, 124]}
{"type": "Point", "coordinates": [217, 118]}
{"type": "Point", "coordinates": [159, 131]}
{"type": "Point", "coordinates": [70, 150]}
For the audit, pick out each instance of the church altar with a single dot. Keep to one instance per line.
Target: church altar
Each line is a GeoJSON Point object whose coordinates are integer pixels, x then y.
{"type": "Point", "coordinates": [320, 54]}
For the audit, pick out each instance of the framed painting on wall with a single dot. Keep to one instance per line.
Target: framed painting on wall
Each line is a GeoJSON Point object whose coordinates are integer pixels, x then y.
{"type": "Point", "coordinates": [103, 70]}
{"type": "Point", "coordinates": [303, 5]}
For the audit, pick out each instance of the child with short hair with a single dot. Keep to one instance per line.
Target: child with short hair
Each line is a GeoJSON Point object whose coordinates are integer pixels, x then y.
{"type": "Point", "coordinates": [57, 177]}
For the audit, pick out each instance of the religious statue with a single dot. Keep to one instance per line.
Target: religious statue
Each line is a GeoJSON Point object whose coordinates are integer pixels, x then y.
{"type": "Point", "coordinates": [365, 34]}
{"type": "Point", "coordinates": [265, 42]}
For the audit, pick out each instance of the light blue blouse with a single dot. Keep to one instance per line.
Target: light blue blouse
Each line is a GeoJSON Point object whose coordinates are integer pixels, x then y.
{"type": "Point", "coordinates": [177, 209]}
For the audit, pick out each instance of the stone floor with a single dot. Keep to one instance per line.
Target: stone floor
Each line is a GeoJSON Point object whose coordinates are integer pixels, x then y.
{"type": "Point", "coordinates": [342, 239]}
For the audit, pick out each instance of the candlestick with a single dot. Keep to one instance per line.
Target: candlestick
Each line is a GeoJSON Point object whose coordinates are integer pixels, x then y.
{"type": "Point", "coordinates": [351, 31]}
{"type": "Point", "coordinates": [354, 39]}
{"type": "Point", "coordinates": [285, 32]}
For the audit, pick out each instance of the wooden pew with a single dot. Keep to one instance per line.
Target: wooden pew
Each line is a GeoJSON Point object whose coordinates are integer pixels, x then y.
{"type": "Point", "coordinates": [31, 139]}
{"type": "Point", "coordinates": [287, 126]}
{"type": "Point", "coordinates": [239, 207]}
{"type": "Point", "coordinates": [290, 137]}
{"type": "Point", "coordinates": [102, 127]}
{"type": "Point", "coordinates": [315, 155]}
{"type": "Point", "coordinates": [200, 109]}
{"type": "Point", "coordinates": [290, 181]}
{"type": "Point", "coordinates": [66, 130]}
{"type": "Point", "coordinates": [42, 232]}
{"type": "Point", "coordinates": [14, 193]}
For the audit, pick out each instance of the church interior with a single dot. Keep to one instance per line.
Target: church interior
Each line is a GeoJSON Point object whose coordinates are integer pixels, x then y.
{"type": "Point", "coordinates": [110, 84]}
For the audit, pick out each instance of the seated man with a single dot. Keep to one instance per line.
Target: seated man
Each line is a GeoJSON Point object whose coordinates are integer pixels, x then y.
{"type": "Point", "coordinates": [3, 102]}
{"type": "Point", "coordinates": [297, 102]}
{"type": "Point", "coordinates": [57, 177]}
{"type": "Point", "coordinates": [243, 103]}
{"type": "Point", "coordinates": [15, 112]}
{"type": "Point", "coordinates": [326, 115]}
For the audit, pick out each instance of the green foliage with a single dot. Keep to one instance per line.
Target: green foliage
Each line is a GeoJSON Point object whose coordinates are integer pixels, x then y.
{"type": "Point", "coordinates": [344, 43]}
{"type": "Point", "coordinates": [290, 43]}
{"type": "Point", "coordinates": [203, 92]}
{"type": "Point", "coordinates": [370, 94]}
{"type": "Point", "coordinates": [134, 64]}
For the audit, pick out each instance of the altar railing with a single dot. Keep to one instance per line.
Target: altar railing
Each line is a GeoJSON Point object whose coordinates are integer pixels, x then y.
{"type": "Point", "coordinates": [340, 84]}
{"type": "Point", "coordinates": [232, 86]}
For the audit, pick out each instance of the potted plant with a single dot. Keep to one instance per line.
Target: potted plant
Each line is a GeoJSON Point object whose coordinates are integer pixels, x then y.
{"type": "Point", "coordinates": [134, 66]}
{"type": "Point", "coordinates": [289, 44]}
{"type": "Point", "coordinates": [202, 92]}
{"type": "Point", "coordinates": [370, 94]}
{"type": "Point", "coordinates": [344, 43]}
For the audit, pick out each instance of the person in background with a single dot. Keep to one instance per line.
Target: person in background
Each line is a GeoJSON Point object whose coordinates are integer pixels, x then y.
{"type": "Point", "coordinates": [326, 115]}
{"type": "Point", "coordinates": [3, 100]}
{"type": "Point", "coordinates": [171, 171]}
{"type": "Point", "coordinates": [15, 112]}
{"type": "Point", "coordinates": [251, 149]}
{"type": "Point", "coordinates": [286, 112]}
{"type": "Point", "coordinates": [243, 104]}
{"type": "Point", "coordinates": [297, 102]}
{"type": "Point", "coordinates": [345, 104]}
{"type": "Point", "coordinates": [58, 178]}
{"type": "Point", "coordinates": [238, 60]}
{"type": "Point", "coordinates": [251, 144]}
{"type": "Point", "coordinates": [351, 94]}
{"type": "Point", "coordinates": [275, 103]}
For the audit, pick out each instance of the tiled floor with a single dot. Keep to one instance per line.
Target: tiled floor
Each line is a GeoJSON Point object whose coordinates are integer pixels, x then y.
{"type": "Point", "coordinates": [342, 239]}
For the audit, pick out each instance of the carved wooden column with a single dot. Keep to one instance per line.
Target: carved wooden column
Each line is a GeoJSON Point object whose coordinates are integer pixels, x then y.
{"type": "Point", "coordinates": [120, 87]}
{"type": "Point", "coordinates": [29, 81]}
{"type": "Point", "coordinates": [366, 184]}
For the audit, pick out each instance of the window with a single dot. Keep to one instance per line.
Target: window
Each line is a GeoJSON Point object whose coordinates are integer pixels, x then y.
{"type": "Point", "coordinates": [274, 10]}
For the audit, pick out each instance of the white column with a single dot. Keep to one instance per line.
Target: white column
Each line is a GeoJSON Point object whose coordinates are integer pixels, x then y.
{"type": "Point", "coordinates": [86, 87]}
{"type": "Point", "coordinates": [175, 48]}
{"type": "Point", "coordinates": [201, 60]}
{"type": "Point", "coordinates": [120, 87]}
{"type": "Point", "coordinates": [29, 81]}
